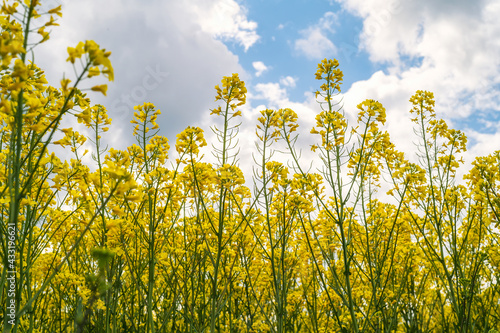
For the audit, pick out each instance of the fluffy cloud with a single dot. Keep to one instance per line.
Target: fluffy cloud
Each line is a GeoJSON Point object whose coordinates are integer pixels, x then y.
{"type": "Point", "coordinates": [273, 93]}
{"type": "Point", "coordinates": [259, 67]}
{"type": "Point", "coordinates": [448, 47]}
{"type": "Point", "coordinates": [226, 19]}
{"type": "Point", "coordinates": [455, 43]}
{"type": "Point", "coordinates": [288, 81]}
{"type": "Point", "coordinates": [315, 43]}
{"type": "Point", "coordinates": [165, 52]}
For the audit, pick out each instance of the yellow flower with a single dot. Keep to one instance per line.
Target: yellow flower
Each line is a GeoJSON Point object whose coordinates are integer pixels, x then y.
{"type": "Point", "coordinates": [233, 92]}
{"type": "Point", "coordinates": [9, 10]}
{"type": "Point", "coordinates": [20, 70]}
{"type": "Point", "coordinates": [64, 84]}
{"type": "Point", "coordinates": [328, 71]}
{"type": "Point", "coordinates": [94, 71]}
{"type": "Point", "coordinates": [117, 211]}
{"type": "Point", "coordinates": [56, 10]}
{"type": "Point", "coordinates": [101, 88]}
{"type": "Point", "coordinates": [45, 35]}
{"type": "Point", "coordinates": [190, 140]}
{"type": "Point", "coordinates": [75, 52]}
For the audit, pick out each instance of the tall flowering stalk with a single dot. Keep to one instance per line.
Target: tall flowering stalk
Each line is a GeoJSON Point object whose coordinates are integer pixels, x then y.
{"type": "Point", "coordinates": [225, 224]}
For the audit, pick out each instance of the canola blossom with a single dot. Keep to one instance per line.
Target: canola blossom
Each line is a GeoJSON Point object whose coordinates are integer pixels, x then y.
{"type": "Point", "coordinates": [141, 241]}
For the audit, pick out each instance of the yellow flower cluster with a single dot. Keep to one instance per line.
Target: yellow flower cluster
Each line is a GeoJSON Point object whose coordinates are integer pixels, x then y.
{"type": "Point", "coordinates": [95, 62]}
{"type": "Point", "coordinates": [287, 120]}
{"type": "Point", "coordinates": [12, 39]}
{"type": "Point", "coordinates": [230, 176]}
{"type": "Point", "coordinates": [268, 119]}
{"type": "Point", "coordinates": [423, 102]}
{"type": "Point", "coordinates": [329, 72]}
{"type": "Point", "coordinates": [95, 57]}
{"type": "Point", "coordinates": [233, 89]}
{"type": "Point", "coordinates": [371, 110]}
{"type": "Point", "coordinates": [333, 126]}
{"type": "Point", "coordinates": [233, 92]}
{"type": "Point", "coordinates": [190, 141]}
{"type": "Point", "coordinates": [145, 114]}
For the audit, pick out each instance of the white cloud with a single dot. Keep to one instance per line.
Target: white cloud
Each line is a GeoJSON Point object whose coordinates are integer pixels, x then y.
{"type": "Point", "coordinates": [315, 43]}
{"type": "Point", "coordinates": [259, 67]}
{"type": "Point", "coordinates": [161, 53]}
{"type": "Point", "coordinates": [225, 19]}
{"type": "Point", "coordinates": [288, 81]}
{"type": "Point", "coordinates": [272, 92]}
{"type": "Point", "coordinates": [456, 45]}
{"type": "Point", "coordinates": [457, 41]}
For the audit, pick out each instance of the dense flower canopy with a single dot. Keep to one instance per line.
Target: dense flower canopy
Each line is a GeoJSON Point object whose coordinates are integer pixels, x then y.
{"type": "Point", "coordinates": [146, 242]}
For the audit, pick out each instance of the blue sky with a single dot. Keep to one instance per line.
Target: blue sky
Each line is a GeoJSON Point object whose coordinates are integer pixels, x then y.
{"type": "Point", "coordinates": [282, 23]}
{"type": "Point", "coordinates": [173, 53]}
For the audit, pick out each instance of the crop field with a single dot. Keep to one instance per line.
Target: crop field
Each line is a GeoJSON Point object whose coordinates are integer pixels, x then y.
{"type": "Point", "coordinates": [158, 239]}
